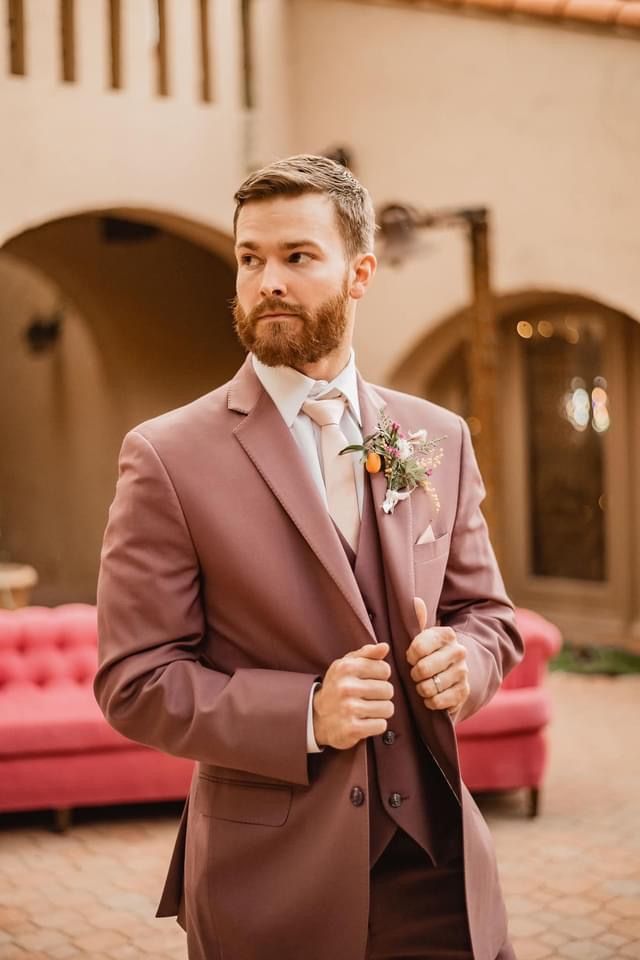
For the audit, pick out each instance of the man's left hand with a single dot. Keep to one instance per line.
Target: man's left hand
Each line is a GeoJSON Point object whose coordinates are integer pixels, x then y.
{"type": "Point", "coordinates": [439, 665]}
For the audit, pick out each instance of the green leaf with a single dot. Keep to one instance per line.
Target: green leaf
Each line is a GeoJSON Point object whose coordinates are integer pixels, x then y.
{"type": "Point", "coordinates": [352, 448]}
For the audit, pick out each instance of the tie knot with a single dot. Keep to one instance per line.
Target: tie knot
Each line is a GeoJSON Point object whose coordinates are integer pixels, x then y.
{"type": "Point", "coordinates": [325, 411]}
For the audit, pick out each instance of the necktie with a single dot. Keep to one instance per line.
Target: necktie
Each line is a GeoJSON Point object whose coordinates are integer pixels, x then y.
{"type": "Point", "coordinates": [339, 479]}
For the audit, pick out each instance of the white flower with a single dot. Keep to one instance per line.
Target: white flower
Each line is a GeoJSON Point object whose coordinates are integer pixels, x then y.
{"type": "Point", "coordinates": [404, 448]}
{"type": "Point", "coordinates": [391, 499]}
{"type": "Point", "coordinates": [418, 436]}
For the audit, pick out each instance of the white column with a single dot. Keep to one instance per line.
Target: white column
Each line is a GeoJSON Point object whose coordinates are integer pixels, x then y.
{"type": "Point", "coordinates": [92, 44]}
{"type": "Point", "coordinates": [43, 40]}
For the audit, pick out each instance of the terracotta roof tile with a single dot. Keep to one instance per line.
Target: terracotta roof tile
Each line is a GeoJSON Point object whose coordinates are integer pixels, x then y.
{"type": "Point", "coordinates": [616, 15]}
{"type": "Point", "coordinates": [597, 11]}
{"type": "Point", "coordinates": [539, 8]}
{"type": "Point", "coordinates": [629, 15]}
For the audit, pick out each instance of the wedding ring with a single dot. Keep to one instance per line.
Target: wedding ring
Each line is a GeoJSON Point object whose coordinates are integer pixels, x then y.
{"type": "Point", "coordinates": [437, 683]}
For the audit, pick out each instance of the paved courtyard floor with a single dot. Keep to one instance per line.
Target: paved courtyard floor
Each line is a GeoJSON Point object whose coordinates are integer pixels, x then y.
{"type": "Point", "coordinates": [571, 876]}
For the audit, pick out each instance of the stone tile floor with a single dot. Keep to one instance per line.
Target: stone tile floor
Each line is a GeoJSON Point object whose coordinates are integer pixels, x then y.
{"type": "Point", "coordinates": [571, 877]}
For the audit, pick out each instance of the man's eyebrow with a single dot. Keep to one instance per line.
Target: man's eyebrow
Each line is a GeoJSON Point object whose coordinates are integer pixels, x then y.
{"type": "Point", "coordinates": [286, 245]}
{"type": "Point", "coordinates": [293, 244]}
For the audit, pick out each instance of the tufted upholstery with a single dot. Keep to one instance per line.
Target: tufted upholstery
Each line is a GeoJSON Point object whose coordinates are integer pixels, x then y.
{"type": "Point", "coordinates": [503, 745]}
{"type": "Point", "coordinates": [56, 749]}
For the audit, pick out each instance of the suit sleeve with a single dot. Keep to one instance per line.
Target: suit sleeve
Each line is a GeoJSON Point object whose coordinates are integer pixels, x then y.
{"type": "Point", "coordinates": [474, 601]}
{"type": "Point", "coordinates": [152, 684]}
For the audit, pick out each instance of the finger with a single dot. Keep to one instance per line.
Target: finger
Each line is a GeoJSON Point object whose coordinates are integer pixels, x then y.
{"type": "Point", "coordinates": [421, 612]}
{"type": "Point", "coordinates": [363, 669]}
{"type": "Point", "coordinates": [448, 657]}
{"type": "Point", "coordinates": [375, 709]}
{"type": "Point", "coordinates": [428, 641]}
{"type": "Point", "coordinates": [450, 699]}
{"type": "Point", "coordinates": [376, 690]}
{"type": "Point", "coordinates": [428, 688]}
{"type": "Point", "coordinates": [370, 728]}
{"type": "Point", "coordinates": [373, 651]}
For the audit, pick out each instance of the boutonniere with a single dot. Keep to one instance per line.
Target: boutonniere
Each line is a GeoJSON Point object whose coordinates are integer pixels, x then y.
{"type": "Point", "coordinates": [408, 460]}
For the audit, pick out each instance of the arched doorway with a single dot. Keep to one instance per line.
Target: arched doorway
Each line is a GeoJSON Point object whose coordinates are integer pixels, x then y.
{"type": "Point", "coordinates": [106, 319]}
{"type": "Point", "coordinates": [569, 467]}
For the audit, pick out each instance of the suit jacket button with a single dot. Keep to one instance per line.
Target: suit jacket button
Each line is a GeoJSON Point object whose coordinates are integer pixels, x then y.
{"type": "Point", "coordinates": [357, 796]}
{"type": "Point", "coordinates": [395, 800]}
{"type": "Point", "coordinates": [388, 737]}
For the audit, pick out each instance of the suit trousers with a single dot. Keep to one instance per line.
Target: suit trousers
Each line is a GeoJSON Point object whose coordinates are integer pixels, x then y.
{"type": "Point", "coordinates": [417, 910]}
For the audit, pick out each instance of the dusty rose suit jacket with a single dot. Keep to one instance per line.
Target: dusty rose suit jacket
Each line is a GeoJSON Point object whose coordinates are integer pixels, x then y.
{"type": "Point", "coordinates": [224, 593]}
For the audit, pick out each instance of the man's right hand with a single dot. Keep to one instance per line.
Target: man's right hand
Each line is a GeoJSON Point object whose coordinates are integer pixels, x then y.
{"type": "Point", "coordinates": [355, 699]}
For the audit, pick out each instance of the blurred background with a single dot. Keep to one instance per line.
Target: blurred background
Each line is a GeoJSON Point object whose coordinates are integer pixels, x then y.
{"type": "Point", "coordinates": [500, 140]}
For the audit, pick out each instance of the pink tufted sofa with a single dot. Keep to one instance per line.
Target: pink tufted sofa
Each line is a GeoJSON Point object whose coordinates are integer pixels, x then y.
{"type": "Point", "coordinates": [56, 750]}
{"type": "Point", "coordinates": [503, 746]}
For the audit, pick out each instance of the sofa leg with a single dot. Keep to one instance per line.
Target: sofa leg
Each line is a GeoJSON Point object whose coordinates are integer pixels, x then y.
{"type": "Point", "coordinates": [534, 802]}
{"type": "Point", "coordinates": [61, 819]}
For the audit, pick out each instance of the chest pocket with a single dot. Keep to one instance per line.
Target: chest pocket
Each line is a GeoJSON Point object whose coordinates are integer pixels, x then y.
{"type": "Point", "coordinates": [243, 801]}
{"type": "Point", "coordinates": [432, 550]}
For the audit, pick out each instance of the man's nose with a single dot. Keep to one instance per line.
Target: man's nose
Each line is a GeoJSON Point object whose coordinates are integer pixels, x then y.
{"type": "Point", "coordinates": [272, 284]}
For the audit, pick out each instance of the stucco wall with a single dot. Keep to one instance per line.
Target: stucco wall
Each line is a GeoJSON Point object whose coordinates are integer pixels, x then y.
{"type": "Point", "coordinates": [538, 122]}
{"type": "Point", "coordinates": [146, 328]}
{"type": "Point", "coordinates": [81, 146]}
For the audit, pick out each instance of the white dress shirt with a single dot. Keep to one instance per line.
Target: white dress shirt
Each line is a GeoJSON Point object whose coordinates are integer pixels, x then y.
{"type": "Point", "coordinates": [289, 389]}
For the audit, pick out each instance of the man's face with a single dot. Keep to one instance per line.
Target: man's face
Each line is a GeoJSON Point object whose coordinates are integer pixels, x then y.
{"type": "Point", "coordinates": [292, 283]}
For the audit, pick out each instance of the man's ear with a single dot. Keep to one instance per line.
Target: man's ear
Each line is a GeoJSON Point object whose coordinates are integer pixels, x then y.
{"type": "Point", "coordinates": [363, 270]}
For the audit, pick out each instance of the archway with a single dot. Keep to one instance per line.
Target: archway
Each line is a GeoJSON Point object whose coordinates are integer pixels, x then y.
{"type": "Point", "coordinates": [107, 318]}
{"type": "Point", "coordinates": [569, 470]}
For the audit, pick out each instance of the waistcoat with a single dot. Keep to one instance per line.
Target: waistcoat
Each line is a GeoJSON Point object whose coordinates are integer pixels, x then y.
{"type": "Point", "coordinates": [406, 789]}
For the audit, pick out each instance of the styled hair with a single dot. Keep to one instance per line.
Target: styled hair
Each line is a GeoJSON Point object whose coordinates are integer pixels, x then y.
{"type": "Point", "coordinates": [306, 173]}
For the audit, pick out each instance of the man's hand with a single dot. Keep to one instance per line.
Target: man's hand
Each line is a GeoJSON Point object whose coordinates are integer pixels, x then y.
{"type": "Point", "coordinates": [439, 664]}
{"type": "Point", "coordinates": [355, 699]}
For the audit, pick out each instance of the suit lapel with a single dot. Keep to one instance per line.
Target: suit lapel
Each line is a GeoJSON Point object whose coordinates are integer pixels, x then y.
{"type": "Point", "coordinates": [272, 449]}
{"type": "Point", "coordinates": [395, 529]}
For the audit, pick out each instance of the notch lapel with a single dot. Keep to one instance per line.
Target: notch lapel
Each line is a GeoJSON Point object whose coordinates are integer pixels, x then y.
{"type": "Point", "coordinates": [272, 449]}
{"type": "Point", "coordinates": [396, 529]}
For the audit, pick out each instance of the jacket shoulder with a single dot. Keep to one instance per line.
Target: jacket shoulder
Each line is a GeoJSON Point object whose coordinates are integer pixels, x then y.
{"type": "Point", "coordinates": [186, 420]}
{"type": "Point", "coordinates": [416, 412]}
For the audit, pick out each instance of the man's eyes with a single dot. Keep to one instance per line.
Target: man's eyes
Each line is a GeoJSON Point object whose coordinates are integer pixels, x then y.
{"type": "Point", "coordinates": [298, 256]}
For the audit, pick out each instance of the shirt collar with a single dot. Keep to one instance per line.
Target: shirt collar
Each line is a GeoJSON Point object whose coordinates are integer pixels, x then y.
{"type": "Point", "coordinates": [288, 388]}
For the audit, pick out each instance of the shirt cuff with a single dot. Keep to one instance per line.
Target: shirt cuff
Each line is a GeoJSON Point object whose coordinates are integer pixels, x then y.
{"type": "Point", "coordinates": [312, 746]}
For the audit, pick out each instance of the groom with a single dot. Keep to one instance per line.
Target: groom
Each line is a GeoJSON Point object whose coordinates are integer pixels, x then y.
{"type": "Point", "coordinates": [261, 613]}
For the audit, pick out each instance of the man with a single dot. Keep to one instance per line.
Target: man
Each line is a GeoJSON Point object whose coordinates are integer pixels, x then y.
{"type": "Point", "coordinates": [261, 613]}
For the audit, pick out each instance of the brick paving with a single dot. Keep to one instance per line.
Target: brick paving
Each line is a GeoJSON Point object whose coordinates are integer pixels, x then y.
{"type": "Point", "coordinates": [571, 877]}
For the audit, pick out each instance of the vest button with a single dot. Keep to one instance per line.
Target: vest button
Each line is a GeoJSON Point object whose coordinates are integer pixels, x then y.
{"type": "Point", "coordinates": [372, 615]}
{"type": "Point", "coordinates": [395, 800]}
{"type": "Point", "coordinates": [357, 796]}
{"type": "Point", "coordinates": [388, 737]}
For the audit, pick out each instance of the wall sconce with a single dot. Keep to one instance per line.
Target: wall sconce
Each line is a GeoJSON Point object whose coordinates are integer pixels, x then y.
{"type": "Point", "coordinates": [44, 331]}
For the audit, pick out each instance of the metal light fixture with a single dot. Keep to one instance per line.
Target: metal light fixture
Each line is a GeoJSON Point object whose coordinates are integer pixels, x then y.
{"type": "Point", "coordinates": [400, 226]}
{"type": "Point", "coordinates": [43, 331]}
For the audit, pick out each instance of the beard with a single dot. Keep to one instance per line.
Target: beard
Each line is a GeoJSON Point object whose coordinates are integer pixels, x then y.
{"type": "Point", "coordinates": [306, 338]}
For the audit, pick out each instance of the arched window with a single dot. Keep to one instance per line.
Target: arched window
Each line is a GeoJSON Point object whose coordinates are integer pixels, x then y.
{"type": "Point", "coordinates": [568, 447]}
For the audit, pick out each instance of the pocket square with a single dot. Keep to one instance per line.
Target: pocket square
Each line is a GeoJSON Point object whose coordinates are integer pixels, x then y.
{"type": "Point", "coordinates": [426, 536]}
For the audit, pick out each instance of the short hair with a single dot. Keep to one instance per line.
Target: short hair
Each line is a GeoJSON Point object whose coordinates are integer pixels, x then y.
{"type": "Point", "coordinates": [306, 173]}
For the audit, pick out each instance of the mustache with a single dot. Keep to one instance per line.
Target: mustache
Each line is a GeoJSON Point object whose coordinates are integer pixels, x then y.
{"type": "Point", "coordinates": [274, 305]}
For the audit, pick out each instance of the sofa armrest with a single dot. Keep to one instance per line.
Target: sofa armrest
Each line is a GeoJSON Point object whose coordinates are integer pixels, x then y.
{"type": "Point", "coordinates": [542, 641]}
